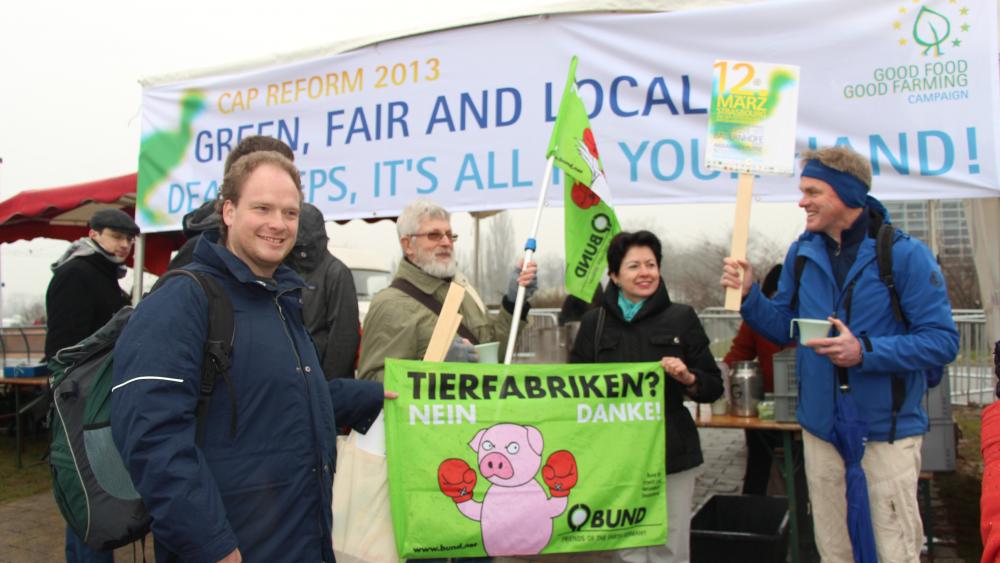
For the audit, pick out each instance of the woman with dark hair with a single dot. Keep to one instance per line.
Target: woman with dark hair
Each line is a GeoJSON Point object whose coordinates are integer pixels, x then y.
{"type": "Point", "coordinates": [637, 322]}
{"type": "Point", "coordinates": [748, 345]}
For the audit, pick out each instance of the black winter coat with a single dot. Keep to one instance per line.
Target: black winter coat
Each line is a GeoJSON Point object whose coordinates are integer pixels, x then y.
{"type": "Point", "coordinates": [659, 329]}
{"type": "Point", "coordinates": [330, 301]}
{"type": "Point", "coordinates": [83, 295]}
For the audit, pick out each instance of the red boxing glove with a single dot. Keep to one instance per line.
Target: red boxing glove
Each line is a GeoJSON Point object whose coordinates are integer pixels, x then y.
{"type": "Point", "coordinates": [456, 479]}
{"type": "Point", "coordinates": [560, 473]}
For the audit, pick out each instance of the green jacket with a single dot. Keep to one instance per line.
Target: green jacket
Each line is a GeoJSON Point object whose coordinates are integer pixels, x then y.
{"type": "Point", "coordinates": [397, 326]}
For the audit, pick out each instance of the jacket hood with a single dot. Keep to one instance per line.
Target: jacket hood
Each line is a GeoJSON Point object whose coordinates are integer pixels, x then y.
{"type": "Point", "coordinates": [310, 244]}
{"type": "Point", "coordinates": [200, 220]}
{"type": "Point", "coordinates": [653, 305]}
{"type": "Point", "coordinates": [86, 246]}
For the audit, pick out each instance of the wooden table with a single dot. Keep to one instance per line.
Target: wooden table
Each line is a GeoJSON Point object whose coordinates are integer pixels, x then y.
{"type": "Point", "coordinates": [18, 382]}
{"type": "Point", "coordinates": [788, 431]}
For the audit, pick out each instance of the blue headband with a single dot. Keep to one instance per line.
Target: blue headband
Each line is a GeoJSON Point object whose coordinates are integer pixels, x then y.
{"type": "Point", "coordinates": [852, 191]}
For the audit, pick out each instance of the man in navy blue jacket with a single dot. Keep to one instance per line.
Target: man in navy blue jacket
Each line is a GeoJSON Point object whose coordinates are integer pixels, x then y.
{"type": "Point", "coordinates": [885, 355]}
{"type": "Point", "coordinates": [259, 485]}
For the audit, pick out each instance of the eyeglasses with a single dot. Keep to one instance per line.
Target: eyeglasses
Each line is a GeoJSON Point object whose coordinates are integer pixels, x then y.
{"type": "Point", "coordinates": [436, 236]}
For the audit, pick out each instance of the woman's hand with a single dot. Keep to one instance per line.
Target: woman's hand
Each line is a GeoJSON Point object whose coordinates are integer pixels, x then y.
{"type": "Point", "coordinates": [677, 369]}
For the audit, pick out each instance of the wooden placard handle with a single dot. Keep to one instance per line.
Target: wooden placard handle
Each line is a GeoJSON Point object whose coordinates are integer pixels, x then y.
{"type": "Point", "coordinates": [447, 325]}
{"type": "Point", "coordinates": [741, 232]}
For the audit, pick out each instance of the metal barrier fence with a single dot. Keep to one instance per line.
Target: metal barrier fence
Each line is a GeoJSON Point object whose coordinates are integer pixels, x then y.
{"type": "Point", "coordinates": [970, 375]}
{"type": "Point", "coordinates": [544, 341]}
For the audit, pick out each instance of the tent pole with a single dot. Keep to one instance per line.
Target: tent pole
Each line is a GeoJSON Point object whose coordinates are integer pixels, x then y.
{"type": "Point", "coordinates": [138, 263]}
{"type": "Point", "coordinates": [475, 250]}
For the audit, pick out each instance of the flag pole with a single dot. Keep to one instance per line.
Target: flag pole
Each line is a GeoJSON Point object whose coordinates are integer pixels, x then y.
{"type": "Point", "coordinates": [529, 252]}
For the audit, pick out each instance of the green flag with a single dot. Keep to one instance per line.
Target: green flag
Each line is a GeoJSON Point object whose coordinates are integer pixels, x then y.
{"type": "Point", "coordinates": [590, 221]}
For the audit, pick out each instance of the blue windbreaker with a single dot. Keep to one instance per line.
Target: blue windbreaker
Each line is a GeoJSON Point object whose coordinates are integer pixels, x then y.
{"type": "Point", "coordinates": [889, 348]}
{"type": "Point", "coordinates": [267, 490]}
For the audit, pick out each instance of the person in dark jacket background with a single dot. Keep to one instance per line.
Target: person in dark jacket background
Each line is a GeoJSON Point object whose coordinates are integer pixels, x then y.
{"type": "Point", "coordinates": [640, 323]}
{"type": "Point", "coordinates": [83, 295]}
{"type": "Point", "coordinates": [329, 301]}
{"type": "Point", "coordinates": [84, 292]}
{"type": "Point", "coordinates": [206, 217]}
{"type": "Point", "coordinates": [259, 484]}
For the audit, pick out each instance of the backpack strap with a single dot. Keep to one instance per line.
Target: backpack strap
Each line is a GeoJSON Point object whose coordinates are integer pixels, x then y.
{"type": "Point", "coordinates": [431, 303]}
{"type": "Point", "coordinates": [884, 240]}
{"type": "Point", "coordinates": [883, 256]}
{"type": "Point", "coordinates": [898, 396]}
{"type": "Point", "coordinates": [218, 349]}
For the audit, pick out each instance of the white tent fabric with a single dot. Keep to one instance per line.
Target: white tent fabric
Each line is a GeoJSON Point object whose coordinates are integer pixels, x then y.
{"type": "Point", "coordinates": [490, 12]}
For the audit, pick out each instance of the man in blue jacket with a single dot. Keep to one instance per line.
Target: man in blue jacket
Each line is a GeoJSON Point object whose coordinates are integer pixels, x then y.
{"type": "Point", "coordinates": [839, 280]}
{"type": "Point", "coordinates": [259, 485]}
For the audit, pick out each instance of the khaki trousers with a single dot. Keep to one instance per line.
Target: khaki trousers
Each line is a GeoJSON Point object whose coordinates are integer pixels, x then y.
{"type": "Point", "coordinates": [680, 492]}
{"type": "Point", "coordinates": [892, 471]}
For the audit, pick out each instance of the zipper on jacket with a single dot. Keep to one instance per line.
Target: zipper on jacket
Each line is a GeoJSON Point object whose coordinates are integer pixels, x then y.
{"type": "Point", "coordinates": [318, 469]}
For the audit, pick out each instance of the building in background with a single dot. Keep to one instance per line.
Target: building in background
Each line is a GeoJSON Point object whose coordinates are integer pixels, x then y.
{"type": "Point", "coordinates": [953, 249]}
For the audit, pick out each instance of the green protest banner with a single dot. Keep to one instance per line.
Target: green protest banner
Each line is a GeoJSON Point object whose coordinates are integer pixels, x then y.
{"type": "Point", "coordinates": [490, 459]}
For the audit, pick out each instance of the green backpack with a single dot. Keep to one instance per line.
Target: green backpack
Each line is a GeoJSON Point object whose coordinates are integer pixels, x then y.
{"type": "Point", "coordinates": [91, 484]}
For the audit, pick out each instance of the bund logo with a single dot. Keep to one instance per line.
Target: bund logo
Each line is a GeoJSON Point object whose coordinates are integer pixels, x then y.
{"type": "Point", "coordinates": [932, 30]}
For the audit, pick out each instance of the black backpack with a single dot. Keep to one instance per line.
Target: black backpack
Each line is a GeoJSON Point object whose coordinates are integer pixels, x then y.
{"type": "Point", "coordinates": [885, 237]}
{"type": "Point", "coordinates": [91, 484]}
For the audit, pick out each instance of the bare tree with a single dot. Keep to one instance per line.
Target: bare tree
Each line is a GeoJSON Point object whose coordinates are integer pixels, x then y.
{"type": "Point", "coordinates": [692, 273]}
{"type": "Point", "coordinates": [962, 281]}
{"type": "Point", "coordinates": [498, 255]}
{"type": "Point", "coordinates": [29, 309]}
{"type": "Point", "coordinates": [551, 282]}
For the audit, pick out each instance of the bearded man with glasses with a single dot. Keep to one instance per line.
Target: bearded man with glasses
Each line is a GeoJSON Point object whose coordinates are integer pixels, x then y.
{"type": "Point", "coordinates": [401, 318]}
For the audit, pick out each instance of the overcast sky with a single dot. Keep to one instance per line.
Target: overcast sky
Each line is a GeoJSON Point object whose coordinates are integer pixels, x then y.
{"type": "Point", "coordinates": [70, 102]}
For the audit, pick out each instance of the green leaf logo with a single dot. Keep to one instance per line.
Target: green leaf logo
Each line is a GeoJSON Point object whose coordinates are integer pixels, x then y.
{"type": "Point", "coordinates": [930, 30]}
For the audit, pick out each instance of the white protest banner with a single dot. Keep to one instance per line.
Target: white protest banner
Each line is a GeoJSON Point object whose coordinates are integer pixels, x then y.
{"type": "Point", "coordinates": [463, 115]}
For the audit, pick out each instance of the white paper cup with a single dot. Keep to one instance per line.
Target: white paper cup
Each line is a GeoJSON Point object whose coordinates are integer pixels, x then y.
{"type": "Point", "coordinates": [810, 329]}
{"type": "Point", "coordinates": [488, 352]}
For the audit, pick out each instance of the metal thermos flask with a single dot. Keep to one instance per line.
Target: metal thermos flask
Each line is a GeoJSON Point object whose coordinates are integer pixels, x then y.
{"type": "Point", "coordinates": [746, 389]}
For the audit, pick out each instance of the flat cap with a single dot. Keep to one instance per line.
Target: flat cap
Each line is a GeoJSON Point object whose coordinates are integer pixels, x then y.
{"type": "Point", "coordinates": [115, 219]}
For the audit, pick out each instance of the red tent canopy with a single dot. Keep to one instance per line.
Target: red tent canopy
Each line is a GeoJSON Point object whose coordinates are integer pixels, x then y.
{"type": "Point", "coordinates": [63, 213]}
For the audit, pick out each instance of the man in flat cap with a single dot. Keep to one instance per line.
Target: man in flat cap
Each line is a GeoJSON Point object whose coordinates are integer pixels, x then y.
{"type": "Point", "coordinates": [82, 296]}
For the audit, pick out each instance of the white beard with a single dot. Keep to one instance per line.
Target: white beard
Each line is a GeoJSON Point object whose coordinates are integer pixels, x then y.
{"type": "Point", "coordinates": [431, 266]}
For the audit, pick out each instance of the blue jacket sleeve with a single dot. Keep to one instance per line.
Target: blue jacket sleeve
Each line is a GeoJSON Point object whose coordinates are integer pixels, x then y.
{"type": "Point", "coordinates": [771, 318]}
{"type": "Point", "coordinates": [157, 372]}
{"type": "Point", "coordinates": [356, 402]}
{"type": "Point", "coordinates": [932, 339]}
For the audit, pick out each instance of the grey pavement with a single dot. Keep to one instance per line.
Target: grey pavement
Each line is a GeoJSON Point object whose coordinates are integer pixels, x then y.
{"type": "Point", "coordinates": [32, 530]}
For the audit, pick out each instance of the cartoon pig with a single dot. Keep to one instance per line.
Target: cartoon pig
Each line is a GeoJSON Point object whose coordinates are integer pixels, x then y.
{"type": "Point", "coordinates": [516, 514]}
